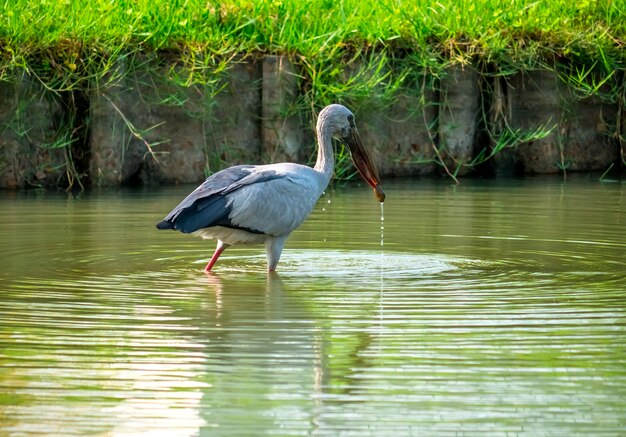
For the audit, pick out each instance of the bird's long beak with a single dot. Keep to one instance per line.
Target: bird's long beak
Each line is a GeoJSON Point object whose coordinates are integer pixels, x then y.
{"type": "Point", "coordinates": [363, 163]}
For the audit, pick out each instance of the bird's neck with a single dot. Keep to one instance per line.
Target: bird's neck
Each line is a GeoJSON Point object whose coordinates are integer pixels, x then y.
{"type": "Point", "coordinates": [325, 163]}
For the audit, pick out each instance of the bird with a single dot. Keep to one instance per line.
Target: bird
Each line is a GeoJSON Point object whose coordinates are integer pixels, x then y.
{"type": "Point", "coordinates": [254, 204]}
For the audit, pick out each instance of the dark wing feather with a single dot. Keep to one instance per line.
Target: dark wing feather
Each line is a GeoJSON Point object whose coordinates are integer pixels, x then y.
{"type": "Point", "coordinates": [209, 204]}
{"type": "Point", "coordinates": [213, 212]}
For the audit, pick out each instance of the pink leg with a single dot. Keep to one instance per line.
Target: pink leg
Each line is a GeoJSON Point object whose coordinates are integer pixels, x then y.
{"type": "Point", "coordinates": [221, 247]}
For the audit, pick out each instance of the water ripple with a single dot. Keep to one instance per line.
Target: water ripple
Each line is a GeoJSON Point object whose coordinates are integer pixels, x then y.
{"type": "Point", "coordinates": [486, 312]}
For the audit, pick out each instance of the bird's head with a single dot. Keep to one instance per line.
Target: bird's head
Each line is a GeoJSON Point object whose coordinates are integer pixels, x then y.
{"type": "Point", "coordinates": [339, 120]}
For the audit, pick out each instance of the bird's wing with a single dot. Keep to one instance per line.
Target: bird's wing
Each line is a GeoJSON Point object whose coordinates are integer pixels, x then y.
{"type": "Point", "coordinates": [210, 203]}
{"type": "Point", "coordinates": [276, 206]}
{"type": "Point", "coordinates": [268, 199]}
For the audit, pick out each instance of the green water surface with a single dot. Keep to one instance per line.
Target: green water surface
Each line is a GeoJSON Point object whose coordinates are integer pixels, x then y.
{"type": "Point", "coordinates": [490, 308]}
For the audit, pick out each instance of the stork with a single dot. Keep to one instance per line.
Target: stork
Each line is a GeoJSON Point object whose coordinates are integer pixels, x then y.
{"type": "Point", "coordinates": [252, 204]}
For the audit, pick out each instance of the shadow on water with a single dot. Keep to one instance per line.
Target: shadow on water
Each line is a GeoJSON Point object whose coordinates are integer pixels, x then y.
{"type": "Point", "coordinates": [489, 309]}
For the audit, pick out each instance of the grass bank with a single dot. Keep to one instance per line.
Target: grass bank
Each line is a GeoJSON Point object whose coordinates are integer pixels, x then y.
{"type": "Point", "coordinates": [74, 39]}
{"type": "Point", "coordinates": [70, 45]}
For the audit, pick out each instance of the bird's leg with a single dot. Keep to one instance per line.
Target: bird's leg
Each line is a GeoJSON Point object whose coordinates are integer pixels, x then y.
{"type": "Point", "coordinates": [273, 248]}
{"type": "Point", "coordinates": [221, 247]}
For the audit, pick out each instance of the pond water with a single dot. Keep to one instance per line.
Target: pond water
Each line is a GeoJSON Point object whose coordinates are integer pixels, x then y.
{"type": "Point", "coordinates": [491, 308]}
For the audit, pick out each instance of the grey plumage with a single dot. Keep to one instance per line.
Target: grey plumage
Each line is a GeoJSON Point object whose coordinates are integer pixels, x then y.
{"type": "Point", "coordinates": [209, 204]}
{"type": "Point", "coordinates": [251, 204]}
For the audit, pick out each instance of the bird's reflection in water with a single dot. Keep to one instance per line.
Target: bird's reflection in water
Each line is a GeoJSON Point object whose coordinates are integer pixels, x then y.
{"type": "Point", "coordinates": [259, 333]}
{"type": "Point", "coordinates": [215, 283]}
{"type": "Point", "coordinates": [272, 295]}
{"type": "Point", "coordinates": [273, 324]}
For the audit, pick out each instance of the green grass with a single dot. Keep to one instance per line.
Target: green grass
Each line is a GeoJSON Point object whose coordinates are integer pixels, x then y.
{"type": "Point", "coordinates": [66, 43]}
{"type": "Point", "coordinates": [66, 34]}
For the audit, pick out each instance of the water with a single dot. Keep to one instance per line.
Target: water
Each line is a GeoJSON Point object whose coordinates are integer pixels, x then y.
{"type": "Point", "coordinates": [493, 308]}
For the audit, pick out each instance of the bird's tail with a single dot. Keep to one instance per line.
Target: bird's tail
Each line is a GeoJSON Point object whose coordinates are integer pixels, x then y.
{"type": "Point", "coordinates": [165, 224]}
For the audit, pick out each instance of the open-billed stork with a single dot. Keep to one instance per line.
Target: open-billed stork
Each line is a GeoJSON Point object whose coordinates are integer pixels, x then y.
{"type": "Point", "coordinates": [252, 204]}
